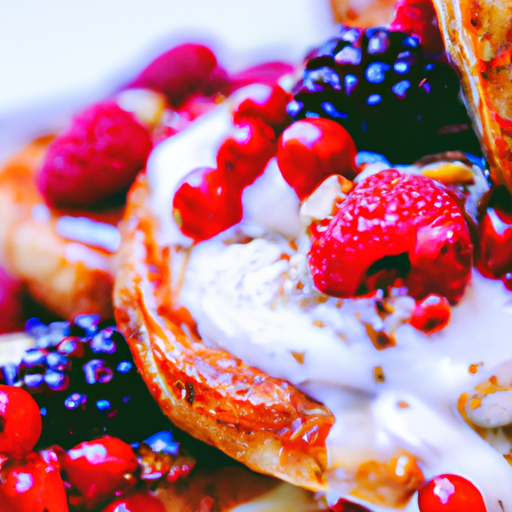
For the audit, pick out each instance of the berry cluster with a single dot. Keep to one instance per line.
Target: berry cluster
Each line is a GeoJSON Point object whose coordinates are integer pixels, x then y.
{"type": "Point", "coordinates": [391, 98]}
{"type": "Point", "coordinates": [208, 201]}
{"type": "Point", "coordinates": [85, 382]}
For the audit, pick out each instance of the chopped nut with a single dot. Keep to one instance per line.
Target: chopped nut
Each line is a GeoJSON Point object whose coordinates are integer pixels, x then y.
{"type": "Point", "coordinates": [449, 173]}
{"type": "Point", "coordinates": [378, 374]}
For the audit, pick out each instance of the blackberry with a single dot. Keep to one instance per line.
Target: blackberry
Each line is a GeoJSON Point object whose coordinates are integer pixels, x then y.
{"type": "Point", "coordinates": [83, 378]}
{"type": "Point", "coordinates": [390, 96]}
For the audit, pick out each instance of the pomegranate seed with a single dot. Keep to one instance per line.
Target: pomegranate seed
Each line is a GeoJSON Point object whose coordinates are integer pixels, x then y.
{"type": "Point", "coordinates": [137, 501]}
{"type": "Point", "coordinates": [496, 235]}
{"type": "Point", "coordinates": [312, 149]}
{"type": "Point", "coordinates": [431, 314]}
{"type": "Point", "coordinates": [450, 493]}
{"type": "Point", "coordinates": [20, 421]}
{"type": "Point", "coordinates": [244, 156]}
{"type": "Point", "coordinates": [33, 484]}
{"type": "Point", "coordinates": [98, 470]}
{"type": "Point", "coordinates": [269, 107]}
{"type": "Point", "coordinates": [205, 204]}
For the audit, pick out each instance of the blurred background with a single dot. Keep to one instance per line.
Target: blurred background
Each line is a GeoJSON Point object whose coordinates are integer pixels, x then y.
{"type": "Point", "coordinates": [57, 55]}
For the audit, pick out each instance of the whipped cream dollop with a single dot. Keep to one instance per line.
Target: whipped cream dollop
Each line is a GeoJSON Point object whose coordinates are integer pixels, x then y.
{"type": "Point", "coordinates": [392, 397]}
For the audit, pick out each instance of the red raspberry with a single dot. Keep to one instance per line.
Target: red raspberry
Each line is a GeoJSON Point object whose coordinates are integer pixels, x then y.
{"type": "Point", "coordinates": [269, 106]}
{"type": "Point", "coordinates": [418, 18]}
{"type": "Point", "coordinates": [244, 155]}
{"type": "Point", "coordinates": [20, 421]}
{"type": "Point", "coordinates": [33, 484]}
{"type": "Point", "coordinates": [137, 501]}
{"type": "Point", "coordinates": [310, 150]}
{"type": "Point", "coordinates": [182, 71]}
{"type": "Point", "coordinates": [99, 155]}
{"type": "Point", "coordinates": [205, 204]}
{"type": "Point", "coordinates": [408, 226]}
{"type": "Point", "coordinates": [11, 303]}
{"type": "Point", "coordinates": [266, 73]}
{"type": "Point", "coordinates": [450, 493]}
{"type": "Point", "coordinates": [98, 470]}
{"type": "Point", "coordinates": [431, 314]}
{"type": "Point", "coordinates": [495, 258]}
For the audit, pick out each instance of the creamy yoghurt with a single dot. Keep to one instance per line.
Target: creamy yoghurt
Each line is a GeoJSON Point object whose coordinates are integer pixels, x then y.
{"type": "Point", "coordinates": [245, 298]}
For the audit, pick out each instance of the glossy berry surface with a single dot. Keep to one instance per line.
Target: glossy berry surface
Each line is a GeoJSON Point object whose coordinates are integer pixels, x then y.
{"type": "Point", "coordinates": [450, 493]}
{"type": "Point", "coordinates": [97, 470]}
{"type": "Point", "coordinates": [496, 235]}
{"type": "Point", "coordinates": [431, 314]}
{"type": "Point", "coordinates": [418, 18]}
{"type": "Point", "coordinates": [97, 156]}
{"type": "Point", "coordinates": [268, 105]}
{"type": "Point", "coordinates": [32, 484]}
{"type": "Point", "coordinates": [20, 422]}
{"type": "Point", "coordinates": [394, 226]}
{"type": "Point", "coordinates": [183, 71]}
{"type": "Point", "coordinates": [390, 97]}
{"type": "Point", "coordinates": [243, 156]}
{"type": "Point", "coordinates": [11, 302]}
{"type": "Point", "coordinates": [313, 149]}
{"type": "Point", "coordinates": [138, 501]}
{"type": "Point", "coordinates": [85, 382]}
{"type": "Point", "coordinates": [205, 204]}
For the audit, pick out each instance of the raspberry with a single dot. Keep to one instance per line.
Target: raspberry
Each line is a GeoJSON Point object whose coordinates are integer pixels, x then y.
{"type": "Point", "coordinates": [97, 470]}
{"type": "Point", "coordinates": [206, 203]}
{"type": "Point", "coordinates": [450, 493]}
{"type": "Point", "coordinates": [313, 149]}
{"type": "Point", "coordinates": [11, 302]}
{"type": "Point", "coordinates": [98, 155]}
{"type": "Point", "coordinates": [33, 484]}
{"type": "Point", "coordinates": [20, 422]}
{"type": "Point", "coordinates": [183, 71]}
{"type": "Point", "coordinates": [393, 226]}
{"type": "Point", "coordinates": [391, 98]}
{"type": "Point", "coordinates": [418, 18]}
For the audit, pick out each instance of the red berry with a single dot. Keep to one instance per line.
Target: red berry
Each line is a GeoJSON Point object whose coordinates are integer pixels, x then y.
{"type": "Point", "coordinates": [11, 302]}
{"type": "Point", "coordinates": [205, 204]}
{"type": "Point", "coordinates": [20, 421]}
{"type": "Point", "coordinates": [268, 106]}
{"type": "Point", "coordinates": [418, 18]}
{"type": "Point", "coordinates": [33, 484]}
{"type": "Point", "coordinates": [183, 71]}
{"type": "Point", "coordinates": [346, 506]}
{"type": "Point", "coordinates": [496, 236]}
{"type": "Point", "coordinates": [450, 493]}
{"type": "Point", "coordinates": [266, 73]}
{"type": "Point", "coordinates": [312, 149]}
{"type": "Point", "coordinates": [99, 155]}
{"type": "Point", "coordinates": [431, 314]}
{"type": "Point", "coordinates": [244, 155]}
{"type": "Point", "coordinates": [407, 226]}
{"type": "Point", "coordinates": [137, 501]}
{"type": "Point", "coordinates": [99, 470]}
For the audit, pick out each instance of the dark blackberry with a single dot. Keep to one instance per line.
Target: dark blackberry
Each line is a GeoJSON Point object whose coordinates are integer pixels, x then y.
{"type": "Point", "coordinates": [83, 378]}
{"type": "Point", "coordinates": [390, 96]}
